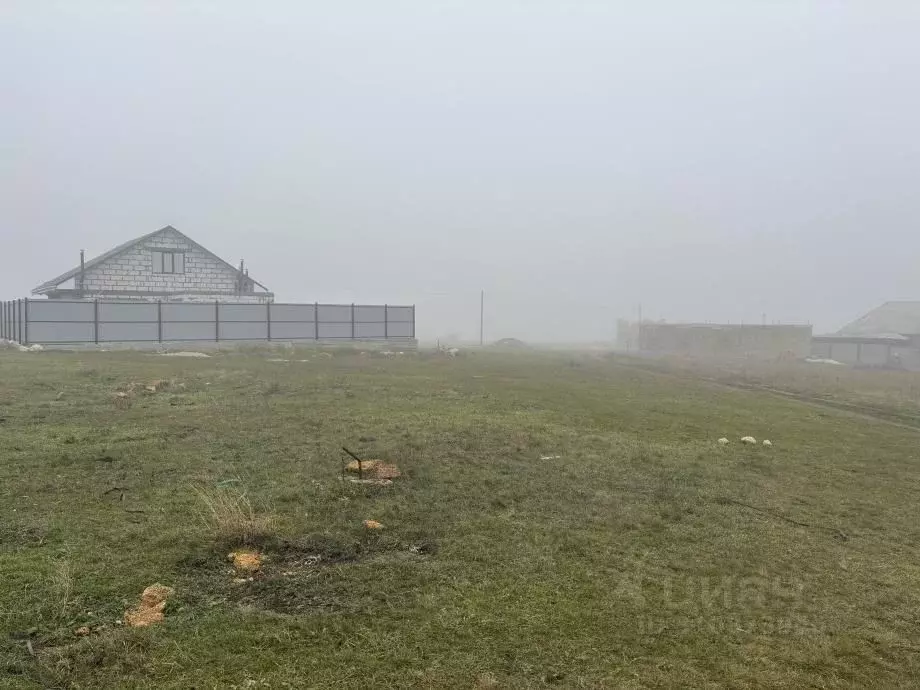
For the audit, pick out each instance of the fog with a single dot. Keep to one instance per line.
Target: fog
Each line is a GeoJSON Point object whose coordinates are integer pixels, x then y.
{"type": "Point", "coordinates": [713, 161]}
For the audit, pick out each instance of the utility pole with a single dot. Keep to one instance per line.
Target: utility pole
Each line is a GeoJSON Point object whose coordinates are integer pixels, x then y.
{"type": "Point", "coordinates": [482, 304]}
{"type": "Point", "coordinates": [639, 331]}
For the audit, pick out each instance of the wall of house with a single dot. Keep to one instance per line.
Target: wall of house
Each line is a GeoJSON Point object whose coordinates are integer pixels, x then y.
{"type": "Point", "coordinates": [205, 278]}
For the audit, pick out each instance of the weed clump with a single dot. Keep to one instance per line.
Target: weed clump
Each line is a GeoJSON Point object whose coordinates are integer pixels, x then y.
{"type": "Point", "coordinates": [230, 516]}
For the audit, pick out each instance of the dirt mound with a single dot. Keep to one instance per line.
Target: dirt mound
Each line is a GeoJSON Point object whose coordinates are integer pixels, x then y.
{"type": "Point", "coordinates": [374, 469]}
{"type": "Point", "coordinates": [511, 344]}
{"type": "Point", "coordinates": [150, 609]}
{"type": "Point", "coordinates": [246, 561]}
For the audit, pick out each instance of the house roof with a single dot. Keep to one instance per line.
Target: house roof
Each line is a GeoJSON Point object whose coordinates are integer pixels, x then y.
{"type": "Point", "coordinates": [890, 318]}
{"type": "Point", "coordinates": [51, 284]}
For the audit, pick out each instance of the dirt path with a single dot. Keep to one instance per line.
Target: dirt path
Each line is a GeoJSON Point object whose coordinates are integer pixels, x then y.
{"type": "Point", "coordinates": [890, 417]}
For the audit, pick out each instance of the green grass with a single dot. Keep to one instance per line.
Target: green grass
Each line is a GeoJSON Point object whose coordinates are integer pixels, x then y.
{"type": "Point", "coordinates": [644, 556]}
{"type": "Point", "coordinates": [889, 394]}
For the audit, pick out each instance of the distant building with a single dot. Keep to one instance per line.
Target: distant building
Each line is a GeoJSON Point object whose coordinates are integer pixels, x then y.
{"type": "Point", "coordinates": [888, 336]}
{"type": "Point", "coordinates": [164, 265]}
{"type": "Point", "coordinates": [716, 340]}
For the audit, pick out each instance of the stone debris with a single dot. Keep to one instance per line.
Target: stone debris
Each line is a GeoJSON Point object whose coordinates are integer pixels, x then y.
{"type": "Point", "coordinates": [748, 440]}
{"type": "Point", "coordinates": [150, 609]}
{"type": "Point", "coordinates": [13, 345]}
{"type": "Point", "coordinates": [82, 631]}
{"type": "Point", "coordinates": [372, 524]}
{"type": "Point", "coordinates": [767, 443]}
{"type": "Point", "coordinates": [723, 441]}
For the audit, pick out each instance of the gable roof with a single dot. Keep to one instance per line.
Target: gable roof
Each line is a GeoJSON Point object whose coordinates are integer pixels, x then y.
{"type": "Point", "coordinates": [53, 283]}
{"type": "Point", "coordinates": [892, 317]}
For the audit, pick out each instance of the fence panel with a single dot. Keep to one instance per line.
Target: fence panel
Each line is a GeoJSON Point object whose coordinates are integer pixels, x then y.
{"type": "Point", "coordinates": [292, 312]}
{"type": "Point", "coordinates": [370, 314]}
{"type": "Point", "coordinates": [84, 321]}
{"type": "Point", "coordinates": [370, 331]}
{"type": "Point", "coordinates": [112, 312]}
{"type": "Point", "coordinates": [400, 329]}
{"type": "Point", "coordinates": [60, 311]}
{"type": "Point", "coordinates": [244, 330]}
{"type": "Point", "coordinates": [335, 313]}
{"type": "Point", "coordinates": [128, 332]}
{"type": "Point", "coordinates": [179, 311]}
{"type": "Point", "coordinates": [405, 314]}
{"type": "Point", "coordinates": [242, 312]}
{"type": "Point", "coordinates": [190, 330]}
{"type": "Point", "coordinates": [51, 332]}
{"type": "Point", "coordinates": [288, 330]}
{"type": "Point", "coordinates": [335, 331]}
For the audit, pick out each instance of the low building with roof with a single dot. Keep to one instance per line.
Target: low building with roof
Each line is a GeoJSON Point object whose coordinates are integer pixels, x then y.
{"type": "Point", "coordinates": [887, 336]}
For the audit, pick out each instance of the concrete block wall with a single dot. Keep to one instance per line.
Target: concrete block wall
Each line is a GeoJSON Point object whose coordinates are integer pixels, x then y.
{"type": "Point", "coordinates": [721, 340]}
{"type": "Point", "coordinates": [132, 270]}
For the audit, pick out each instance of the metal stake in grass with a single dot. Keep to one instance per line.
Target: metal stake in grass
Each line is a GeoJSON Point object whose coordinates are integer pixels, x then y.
{"type": "Point", "coordinates": [360, 469]}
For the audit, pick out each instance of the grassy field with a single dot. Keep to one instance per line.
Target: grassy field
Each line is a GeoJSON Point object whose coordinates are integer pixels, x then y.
{"type": "Point", "coordinates": [888, 394]}
{"type": "Point", "coordinates": [562, 520]}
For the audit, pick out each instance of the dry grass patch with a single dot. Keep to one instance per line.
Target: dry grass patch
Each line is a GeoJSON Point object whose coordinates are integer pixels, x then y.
{"type": "Point", "coordinates": [231, 517]}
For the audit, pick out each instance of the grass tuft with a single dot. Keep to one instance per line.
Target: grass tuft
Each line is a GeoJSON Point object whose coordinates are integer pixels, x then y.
{"type": "Point", "coordinates": [230, 516]}
{"type": "Point", "coordinates": [62, 581]}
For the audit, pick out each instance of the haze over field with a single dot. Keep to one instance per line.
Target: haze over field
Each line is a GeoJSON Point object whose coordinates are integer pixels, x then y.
{"type": "Point", "coordinates": [711, 160]}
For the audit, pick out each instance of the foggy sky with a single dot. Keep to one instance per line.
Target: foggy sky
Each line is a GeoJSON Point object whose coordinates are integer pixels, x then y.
{"type": "Point", "coordinates": [714, 161]}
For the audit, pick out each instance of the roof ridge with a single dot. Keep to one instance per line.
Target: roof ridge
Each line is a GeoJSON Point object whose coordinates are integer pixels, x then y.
{"type": "Point", "coordinates": [118, 249]}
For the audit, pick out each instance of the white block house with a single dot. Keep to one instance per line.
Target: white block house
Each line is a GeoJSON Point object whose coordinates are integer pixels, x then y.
{"type": "Point", "coordinates": [163, 265]}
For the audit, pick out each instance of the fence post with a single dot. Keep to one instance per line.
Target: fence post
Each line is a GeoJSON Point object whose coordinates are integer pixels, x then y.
{"type": "Point", "coordinates": [19, 319]}
{"type": "Point", "coordinates": [268, 320]}
{"type": "Point", "coordinates": [25, 323]}
{"type": "Point", "coordinates": [216, 321]}
{"type": "Point", "coordinates": [96, 321]}
{"type": "Point", "coordinates": [352, 320]}
{"type": "Point", "coordinates": [413, 322]}
{"type": "Point", "coordinates": [316, 321]}
{"type": "Point", "coordinates": [159, 321]}
{"type": "Point", "coordinates": [386, 321]}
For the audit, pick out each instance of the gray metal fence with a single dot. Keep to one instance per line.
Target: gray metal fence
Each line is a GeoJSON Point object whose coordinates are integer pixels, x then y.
{"type": "Point", "coordinates": [58, 322]}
